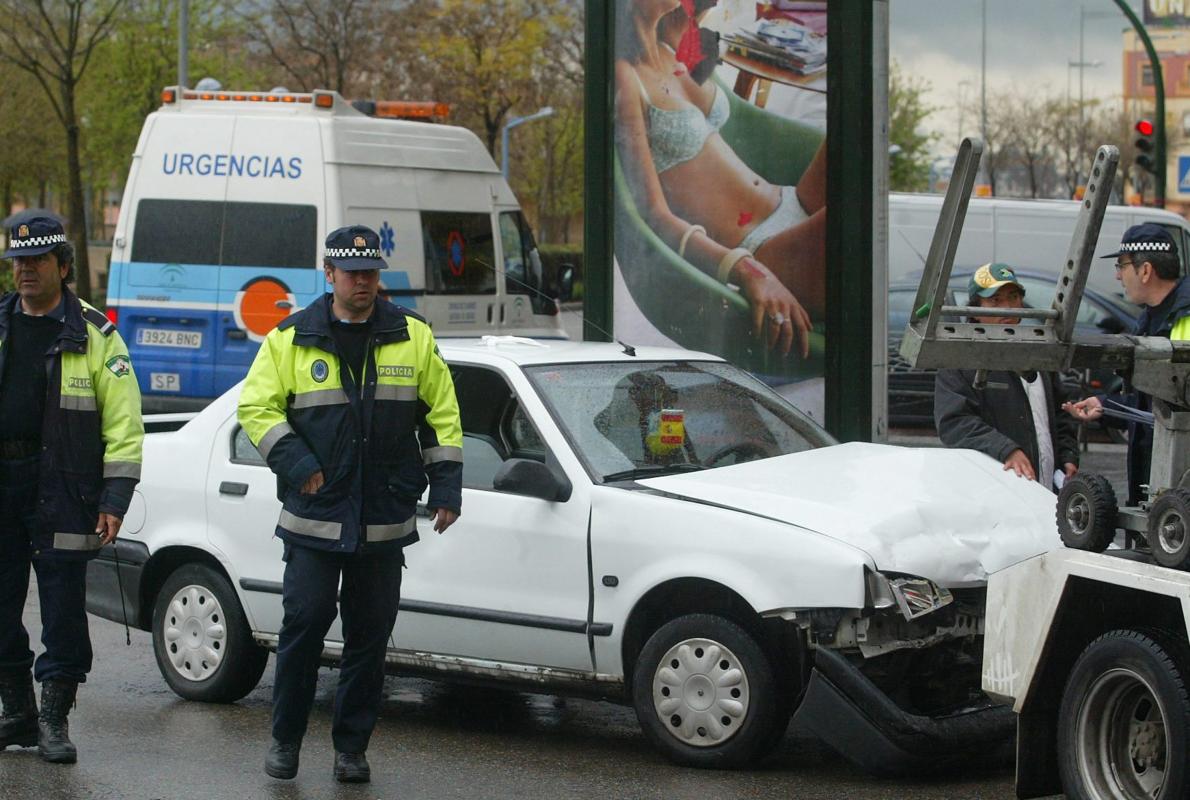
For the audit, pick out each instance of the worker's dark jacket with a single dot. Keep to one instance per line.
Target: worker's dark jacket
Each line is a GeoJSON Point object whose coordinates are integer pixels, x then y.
{"type": "Point", "coordinates": [997, 418]}
{"type": "Point", "coordinates": [91, 433]}
{"type": "Point", "coordinates": [1158, 320]}
{"type": "Point", "coordinates": [377, 448]}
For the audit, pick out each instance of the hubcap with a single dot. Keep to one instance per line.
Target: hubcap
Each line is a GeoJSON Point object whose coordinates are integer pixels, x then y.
{"type": "Point", "coordinates": [195, 637]}
{"type": "Point", "coordinates": [700, 692]}
{"type": "Point", "coordinates": [1121, 741]}
{"type": "Point", "coordinates": [1078, 513]}
{"type": "Point", "coordinates": [1171, 533]}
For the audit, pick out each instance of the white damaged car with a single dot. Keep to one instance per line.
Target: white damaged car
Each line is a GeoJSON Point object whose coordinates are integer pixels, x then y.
{"type": "Point", "coordinates": [656, 528]}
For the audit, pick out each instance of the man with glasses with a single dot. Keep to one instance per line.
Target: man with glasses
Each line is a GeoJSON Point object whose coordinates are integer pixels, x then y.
{"type": "Point", "coordinates": [1148, 268]}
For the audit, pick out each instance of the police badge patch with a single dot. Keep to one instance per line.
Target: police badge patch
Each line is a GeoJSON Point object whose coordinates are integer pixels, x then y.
{"type": "Point", "coordinates": [319, 370]}
{"type": "Point", "coordinates": [119, 366]}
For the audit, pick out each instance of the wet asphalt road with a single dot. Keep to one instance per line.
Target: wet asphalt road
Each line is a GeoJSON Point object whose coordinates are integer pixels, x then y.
{"type": "Point", "coordinates": [138, 740]}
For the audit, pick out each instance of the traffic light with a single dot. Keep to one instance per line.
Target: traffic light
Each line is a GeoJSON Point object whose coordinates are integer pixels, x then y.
{"type": "Point", "coordinates": [1144, 146]}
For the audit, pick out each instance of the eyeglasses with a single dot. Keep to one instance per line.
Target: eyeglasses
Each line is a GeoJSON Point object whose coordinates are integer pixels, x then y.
{"type": "Point", "coordinates": [1121, 264]}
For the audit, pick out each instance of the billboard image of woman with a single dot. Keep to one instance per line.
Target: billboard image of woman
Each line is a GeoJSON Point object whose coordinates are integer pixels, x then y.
{"type": "Point", "coordinates": [720, 203]}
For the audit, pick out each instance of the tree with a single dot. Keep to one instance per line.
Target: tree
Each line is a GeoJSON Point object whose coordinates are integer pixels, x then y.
{"type": "Point", "coordinates": [1032, 145]}
{"type": "Point", "coordinates": [321, 44]}
{"type": "Point", "coordinates": [909, 167]}
{"type": "Point", "coordinates": [54, 42]}
{"type": "Point", "coordinates": [488, 58]}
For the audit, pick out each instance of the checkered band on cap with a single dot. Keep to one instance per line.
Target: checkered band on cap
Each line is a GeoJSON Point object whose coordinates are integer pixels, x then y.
{"type": "Point", "coordinates": [37, 241]}
{"type": "Point", "coordinates": [1137, 247]}
{"type": "Point", "coordinates": [351, 252]}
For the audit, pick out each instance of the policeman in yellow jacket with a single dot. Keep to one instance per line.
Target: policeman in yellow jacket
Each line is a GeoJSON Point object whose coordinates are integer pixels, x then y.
{"type": "Point", "coordinates": [354, 409]}
{"type": "Point", "coordinates": [70, 457]}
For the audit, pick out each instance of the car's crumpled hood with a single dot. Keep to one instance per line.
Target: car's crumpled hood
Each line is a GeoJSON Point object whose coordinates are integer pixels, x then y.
{"type": "Point", "coordinates": [953, 516]}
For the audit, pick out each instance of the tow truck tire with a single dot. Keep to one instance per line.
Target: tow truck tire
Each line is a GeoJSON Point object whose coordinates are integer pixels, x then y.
{"type": "Point", "coordinates": [201, 638]}
{"type": "Point", "coordinates": [706, 694]}
{"type": "Point", "coordinates": [1124, 722]}
{"type": "Point", "coordinates": [1169, 529]}
{"type": "Point", "coordinates": [1087, 512]}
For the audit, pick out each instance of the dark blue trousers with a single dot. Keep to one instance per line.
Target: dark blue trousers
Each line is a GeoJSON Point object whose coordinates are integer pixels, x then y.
{"type": "Point", "coordinates": [371, 589]}
{"type": "Point", "coordinates": [61, 588]}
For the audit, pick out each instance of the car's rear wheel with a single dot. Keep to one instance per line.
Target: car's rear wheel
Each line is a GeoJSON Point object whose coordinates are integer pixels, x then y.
{"type": "Point", "coordinates": [1124, 721]}
{"type": "Point", "coordinates": [201, 638]}
{"type": "Point", "coordinates": [706, 694]}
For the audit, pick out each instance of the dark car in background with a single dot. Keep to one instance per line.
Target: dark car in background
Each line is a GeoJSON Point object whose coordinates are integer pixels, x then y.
{"type": "Point", "coordinates": [911, 391]}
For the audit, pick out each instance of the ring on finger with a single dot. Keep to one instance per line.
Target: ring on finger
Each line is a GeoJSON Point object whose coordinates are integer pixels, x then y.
{"type": "Point", "coordinates": [778, 319]}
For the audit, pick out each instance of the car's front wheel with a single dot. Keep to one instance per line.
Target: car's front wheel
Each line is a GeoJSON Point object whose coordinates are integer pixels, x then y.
{"type": "Point", "coordinates": [705, 693]}
{"type": "Point", "coordinates": [1124, 721]}
{"type": "Point", "coordinates": [201, 638]}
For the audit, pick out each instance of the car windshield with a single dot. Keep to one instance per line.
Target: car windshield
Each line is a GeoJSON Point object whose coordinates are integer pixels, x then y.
{"type": "Point", "coordinates": [630, 419]}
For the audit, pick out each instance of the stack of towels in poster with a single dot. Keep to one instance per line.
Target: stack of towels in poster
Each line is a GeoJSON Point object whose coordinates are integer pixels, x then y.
{"type": "Point", "coordinates": [786, 34]}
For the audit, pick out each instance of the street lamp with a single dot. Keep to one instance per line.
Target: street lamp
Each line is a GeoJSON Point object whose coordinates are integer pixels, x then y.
{"type": "Point", "coordinates": [512, 123]}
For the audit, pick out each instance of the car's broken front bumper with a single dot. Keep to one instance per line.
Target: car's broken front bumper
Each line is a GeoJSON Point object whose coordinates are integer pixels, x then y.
{"type": "Point", "coordinates": [851, 714]}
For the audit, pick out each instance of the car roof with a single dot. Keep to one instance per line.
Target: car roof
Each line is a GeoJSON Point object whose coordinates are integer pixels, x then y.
{"type": "Point", "coordinates": [524, 351]}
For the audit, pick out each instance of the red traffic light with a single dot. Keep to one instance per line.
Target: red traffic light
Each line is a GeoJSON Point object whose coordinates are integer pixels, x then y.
{"type": "Point", "coordinates": [1144, 127]}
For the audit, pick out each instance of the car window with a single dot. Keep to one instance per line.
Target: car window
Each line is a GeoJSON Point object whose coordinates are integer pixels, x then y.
{"type": "Point", "coordinates": [682, 415]}
{"type": "Point", "coordinates": [243, 451]}
{"type": "Point", "coordinates": [495, 427]}
{"type": "Point", "coordinates": [459, 252]}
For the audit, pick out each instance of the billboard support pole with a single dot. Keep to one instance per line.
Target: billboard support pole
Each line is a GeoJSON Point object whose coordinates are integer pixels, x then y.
{"type": "Point", "coordinates": [855, 314]}
{"type": "Point", "coordinates": [597, 182]}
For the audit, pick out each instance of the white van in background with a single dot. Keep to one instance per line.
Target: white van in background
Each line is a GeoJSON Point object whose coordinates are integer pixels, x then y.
{"type": "Point", "coordinates": [1029, 234]}
{"type": "Point", "coordinates": [231, 194]}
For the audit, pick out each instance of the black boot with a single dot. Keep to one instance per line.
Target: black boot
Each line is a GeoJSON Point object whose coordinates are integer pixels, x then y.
{"type": "Point", "coordinates": [53, 739]}
{"type": "Point", "coordinates": [352, 768]}
{"type": "Point", "coordinates": [282, 759]}
{"type": "Point", "coordinates": [18, 723]}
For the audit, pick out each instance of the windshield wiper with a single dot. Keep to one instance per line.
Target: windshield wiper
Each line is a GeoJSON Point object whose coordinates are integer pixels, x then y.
{"type": "Point", "coordinates": [651, 471]}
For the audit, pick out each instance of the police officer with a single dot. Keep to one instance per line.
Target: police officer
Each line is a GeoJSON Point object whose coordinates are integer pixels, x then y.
{"type": "Point", "coordinates": [354, 409]}
{"type": "Point", "coordinates": [70, 455]}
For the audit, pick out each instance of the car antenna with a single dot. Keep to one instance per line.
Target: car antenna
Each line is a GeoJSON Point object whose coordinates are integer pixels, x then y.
{"type": "Point", "coordinates": [629, 350]}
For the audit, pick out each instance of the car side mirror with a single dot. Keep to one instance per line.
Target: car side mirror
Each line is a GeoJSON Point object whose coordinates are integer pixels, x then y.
{"type": "Point", "coordinates": [532, 479]}
{"type": "Point", "coordinates": [565, 282]}
{"type": "Point", "coordinates": [1110, 325]}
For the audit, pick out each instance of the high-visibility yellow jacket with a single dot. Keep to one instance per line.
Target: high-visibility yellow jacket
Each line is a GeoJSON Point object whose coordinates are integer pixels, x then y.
{"type": "Point", "coordinates": [377, 445]}
{"type": "Point", "coordinates": [92, 432]}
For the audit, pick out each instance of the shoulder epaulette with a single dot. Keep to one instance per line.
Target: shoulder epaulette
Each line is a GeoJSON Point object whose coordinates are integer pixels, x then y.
{"type": "Point", "coordinates": [410, 313]}
{"type": "Point", "coordinates": [287, 323]}
{"type": "Point", "coordinates": [98, 320]}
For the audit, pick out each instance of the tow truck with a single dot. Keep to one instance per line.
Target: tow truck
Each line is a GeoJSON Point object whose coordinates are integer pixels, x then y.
{"type": "Point", "coordinates": [1088, 643]}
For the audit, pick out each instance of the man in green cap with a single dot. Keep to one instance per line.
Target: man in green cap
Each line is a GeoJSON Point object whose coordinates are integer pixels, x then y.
{"type": "Point", "coordinates": [1014, 417]}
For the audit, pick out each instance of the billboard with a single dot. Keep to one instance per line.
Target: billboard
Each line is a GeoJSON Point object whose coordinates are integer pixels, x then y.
{"type": "Point", "coordinates": [720, 181]}
{"type": "Point", "coordinates": [1167, 12]}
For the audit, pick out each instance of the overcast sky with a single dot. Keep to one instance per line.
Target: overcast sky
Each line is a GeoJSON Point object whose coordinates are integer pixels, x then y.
{"type": "Point", "coordinates": [1029, 43]}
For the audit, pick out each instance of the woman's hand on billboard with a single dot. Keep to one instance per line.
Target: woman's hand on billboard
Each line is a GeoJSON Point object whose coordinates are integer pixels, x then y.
{"type": "Point", "coordinates": [776, 314]}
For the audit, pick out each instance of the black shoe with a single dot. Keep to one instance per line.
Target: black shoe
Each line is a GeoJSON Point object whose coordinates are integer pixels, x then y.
{"type": "Point", "coordinates": [18, 722]}
{"type": "Point", "coordinates": [282, 760]}
{"type": "Point", "coordinates": [53, 732]}
{"type": "Point", "coordinates": [352, 768]}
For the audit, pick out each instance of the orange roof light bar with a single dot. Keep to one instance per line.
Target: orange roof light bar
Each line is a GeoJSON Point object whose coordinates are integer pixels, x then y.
{"type": "Point", "coordinates": [411, 109]}
{"type": "Point", "coordinates": [169, 96]}
{"type": "Point", "coordinates": [172, 95]}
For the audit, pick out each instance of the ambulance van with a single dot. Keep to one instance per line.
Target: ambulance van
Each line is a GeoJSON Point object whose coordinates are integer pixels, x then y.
{"type": "Point", "coordinates": [228, 201]}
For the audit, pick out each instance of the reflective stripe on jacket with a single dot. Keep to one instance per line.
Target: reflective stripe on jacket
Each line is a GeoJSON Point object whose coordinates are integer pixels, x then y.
{"type": "Point", "coordinates": [377, 449]}
{"type": "Point", "coordinates": [92, 431]}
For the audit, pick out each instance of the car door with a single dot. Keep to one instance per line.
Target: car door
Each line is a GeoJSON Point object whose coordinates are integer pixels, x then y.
{"type": "Point", "coordinates": [508, 582]}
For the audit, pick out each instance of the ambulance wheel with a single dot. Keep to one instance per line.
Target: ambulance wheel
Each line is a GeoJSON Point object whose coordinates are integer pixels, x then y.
{"type": "Point", "coordinates": [1087, 513]}
{"type": "Point", "coordinates": [1169, 529]}
{"type": "Point", "coordinates": [706, 694]}
{"type": "Point", "coordinates": [201, 637]}
{"type": "Point", "coordinates": [1124, 722]}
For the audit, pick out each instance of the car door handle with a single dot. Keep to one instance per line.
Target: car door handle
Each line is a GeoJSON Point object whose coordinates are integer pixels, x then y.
{"type": "Point", "coordinates": [231, 487]}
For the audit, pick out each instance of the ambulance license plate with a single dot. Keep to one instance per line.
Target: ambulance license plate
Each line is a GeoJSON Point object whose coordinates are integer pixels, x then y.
{"type": "Point", "coordinates": [165, 382]}
{"type": "Point", "coordinates": [165, 337]}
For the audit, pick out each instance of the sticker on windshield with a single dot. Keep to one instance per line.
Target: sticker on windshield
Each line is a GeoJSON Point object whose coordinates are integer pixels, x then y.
{"type": "Point", "coordinates": [667, 431]}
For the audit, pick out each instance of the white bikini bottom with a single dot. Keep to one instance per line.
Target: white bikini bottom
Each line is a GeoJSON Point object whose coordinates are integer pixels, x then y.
{"type": "Point", "coordinates": [789, 212]}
